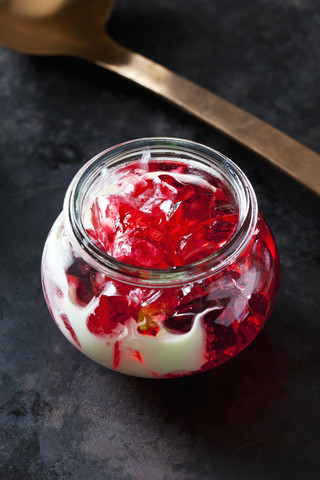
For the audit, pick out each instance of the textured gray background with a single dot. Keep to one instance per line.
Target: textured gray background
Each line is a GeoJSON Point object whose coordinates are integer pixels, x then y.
{"type": "Point", "coordinates": [61, 415]}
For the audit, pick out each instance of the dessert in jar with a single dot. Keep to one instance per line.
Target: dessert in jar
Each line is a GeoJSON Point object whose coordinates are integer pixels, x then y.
{"type": "Point", "coordinates": [160, 264]}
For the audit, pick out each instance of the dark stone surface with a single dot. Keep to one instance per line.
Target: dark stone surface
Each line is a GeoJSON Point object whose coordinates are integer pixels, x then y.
{"type": "Point", "coordinates": [61, 415]}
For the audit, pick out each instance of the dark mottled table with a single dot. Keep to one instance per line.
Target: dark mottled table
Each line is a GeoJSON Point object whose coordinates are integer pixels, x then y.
{"type": "Point", "coordinates": [257, 417]}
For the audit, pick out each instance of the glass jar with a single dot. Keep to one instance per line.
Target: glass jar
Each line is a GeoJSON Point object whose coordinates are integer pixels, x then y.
{"type": "Point", "coordinates": [160, 322]}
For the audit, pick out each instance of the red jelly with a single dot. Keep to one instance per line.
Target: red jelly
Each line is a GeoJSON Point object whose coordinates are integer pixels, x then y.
{"type": "Point", "coordinates": [160, 262]}
{"type": "Point", "coordinates": [162, 220]}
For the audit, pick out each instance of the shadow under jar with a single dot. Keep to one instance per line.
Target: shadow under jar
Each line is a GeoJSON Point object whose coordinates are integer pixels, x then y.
{"type": "Point", "coordinates": [160, 264]}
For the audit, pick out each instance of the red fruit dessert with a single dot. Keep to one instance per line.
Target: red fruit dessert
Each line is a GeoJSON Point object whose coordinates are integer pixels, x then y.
{"type": "Point", "coordinates": [161, 265]}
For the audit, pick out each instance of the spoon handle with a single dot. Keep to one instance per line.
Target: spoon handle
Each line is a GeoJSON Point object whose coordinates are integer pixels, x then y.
{"type": "Point", "coordinates": [292, 157]}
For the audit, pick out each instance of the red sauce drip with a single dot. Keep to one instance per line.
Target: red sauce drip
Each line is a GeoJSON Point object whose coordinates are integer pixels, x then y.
{"type": "Point", "coordinates": [138, 356]}
{"type": "Point", "coordinates": [68, 326]}
{"type": "Point", "coordinates": [116, 355]}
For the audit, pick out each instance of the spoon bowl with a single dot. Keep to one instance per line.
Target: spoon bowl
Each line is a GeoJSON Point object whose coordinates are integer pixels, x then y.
{"type": "Point", "coordinates": [77, 28]}
{"type": "Point", "coordinates": [65, 28]}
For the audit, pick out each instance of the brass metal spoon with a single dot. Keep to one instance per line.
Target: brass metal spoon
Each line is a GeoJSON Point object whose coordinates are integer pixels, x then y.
{"type": "Point", "coordinates": [77, 28]}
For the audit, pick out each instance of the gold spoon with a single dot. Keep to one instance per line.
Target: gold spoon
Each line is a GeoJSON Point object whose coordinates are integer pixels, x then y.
{"type": "Point", "coordinates": [77, 28]}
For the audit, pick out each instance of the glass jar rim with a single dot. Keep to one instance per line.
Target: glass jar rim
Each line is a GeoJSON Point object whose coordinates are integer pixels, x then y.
{"type": "Point", "coordinates": [201, 155]}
